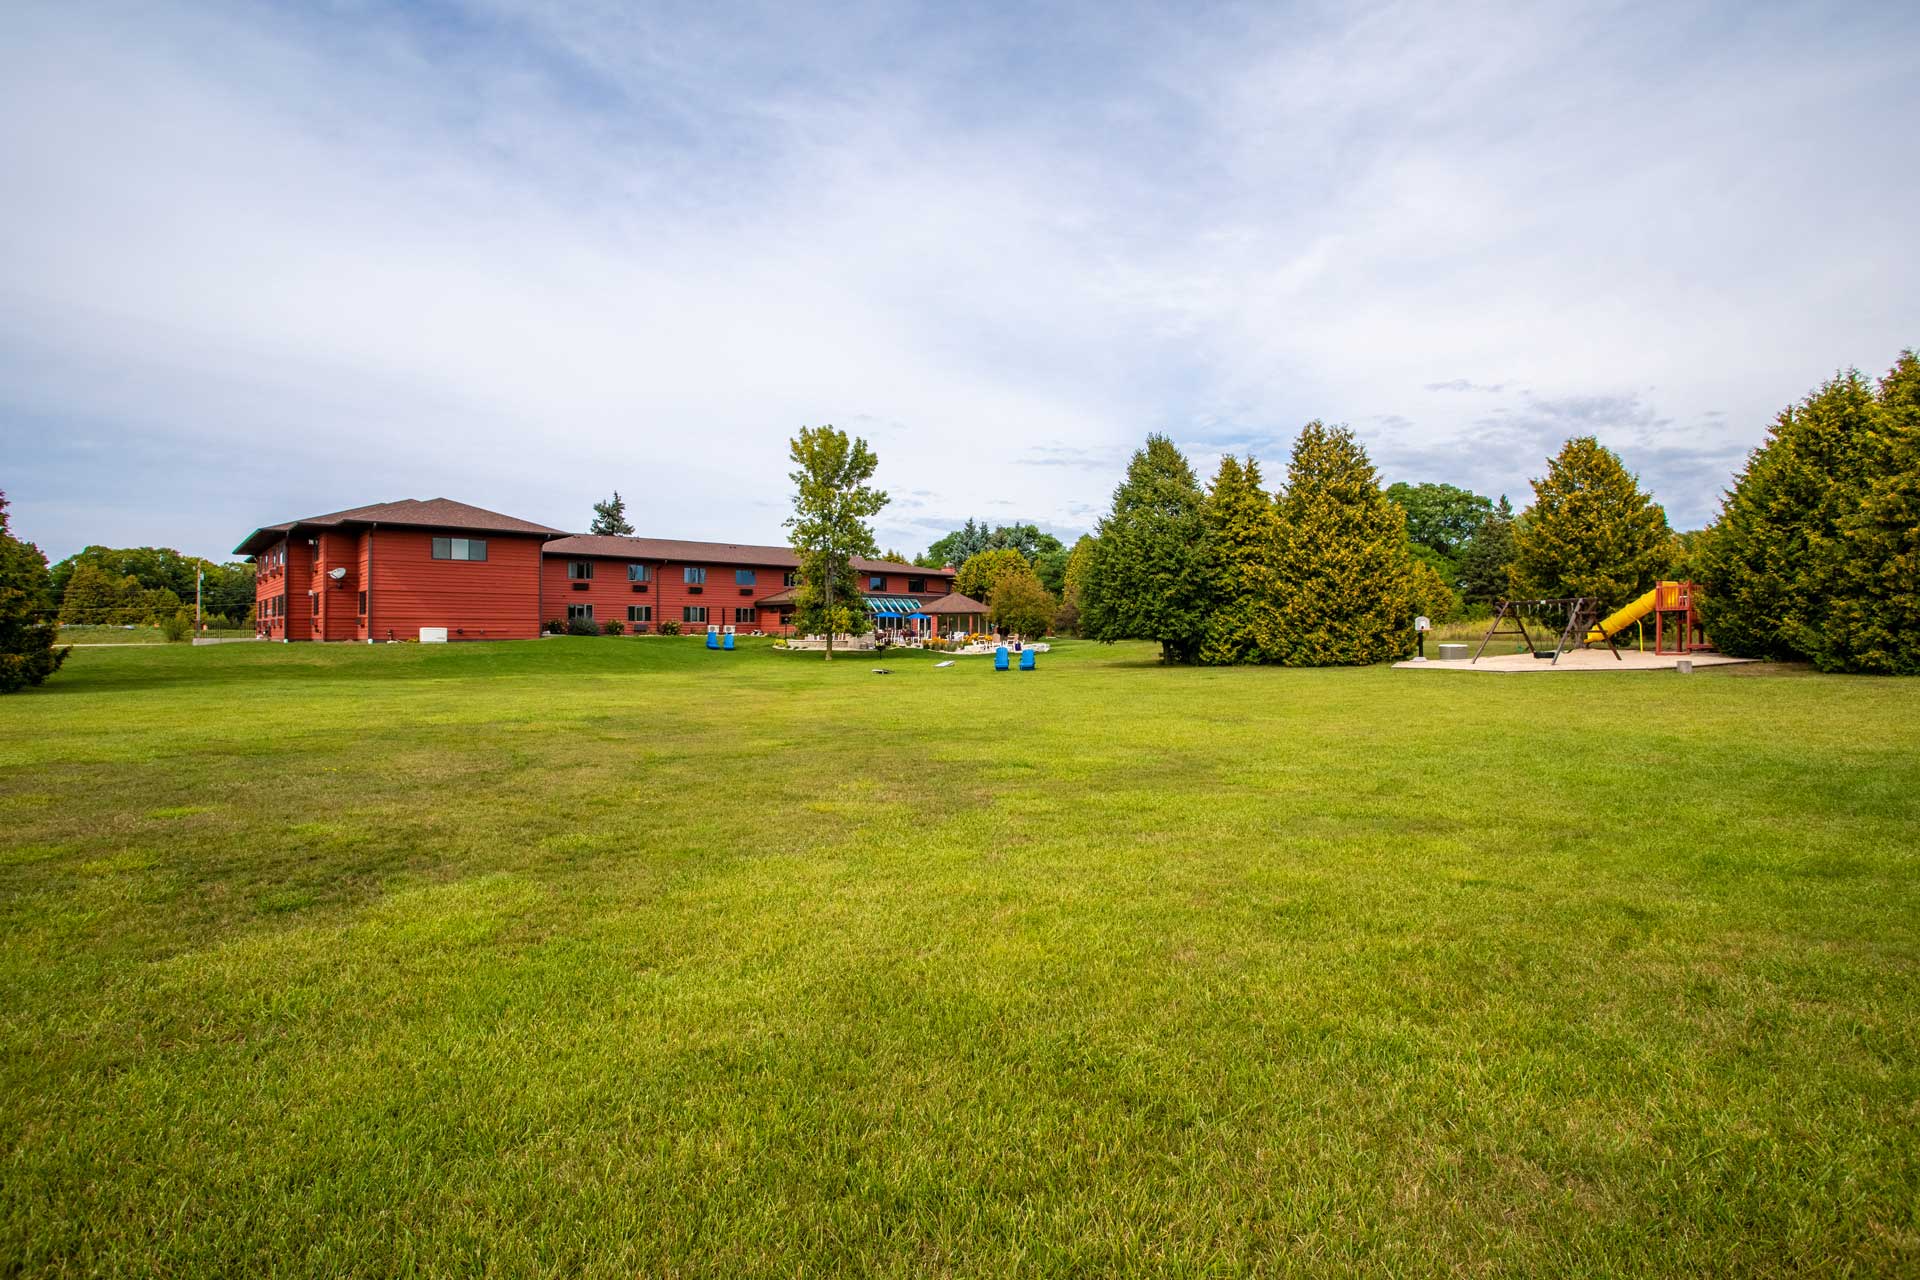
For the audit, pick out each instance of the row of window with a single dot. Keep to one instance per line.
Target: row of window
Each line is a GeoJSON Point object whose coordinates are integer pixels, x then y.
{"type": "Point", "coordinates": [644, 613]}
{"type": "Point", "coordinates": [692, 575]}
{"type": "Point", "coordinates": [459, 548]}
{"type": "Point", "coordinates": [878, 582]}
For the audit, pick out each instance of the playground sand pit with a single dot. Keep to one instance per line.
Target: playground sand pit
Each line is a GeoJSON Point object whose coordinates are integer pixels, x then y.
{"type": "Point", "coordinates": [1597, 659]}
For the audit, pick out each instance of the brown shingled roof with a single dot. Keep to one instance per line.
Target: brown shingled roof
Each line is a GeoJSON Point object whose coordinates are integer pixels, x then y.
{"type": "Point", "coordinates": [631, 548]}
{"type": "Point", "coordinates": [954, 603]}
{"type": "Point", "coordinates": [417, 513]}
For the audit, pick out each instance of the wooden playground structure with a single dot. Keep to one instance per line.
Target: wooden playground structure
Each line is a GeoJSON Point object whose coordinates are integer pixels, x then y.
{"type": "Point", "coordinates": [1580, 624]}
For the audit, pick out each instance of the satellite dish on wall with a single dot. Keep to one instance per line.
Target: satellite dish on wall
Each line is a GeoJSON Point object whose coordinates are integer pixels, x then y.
{"type": "Point", "coordinates": [336, 574]}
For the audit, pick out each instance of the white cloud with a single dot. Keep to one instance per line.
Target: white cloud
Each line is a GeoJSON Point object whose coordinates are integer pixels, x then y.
{"type": "Point", "coordinates": [285, 263]}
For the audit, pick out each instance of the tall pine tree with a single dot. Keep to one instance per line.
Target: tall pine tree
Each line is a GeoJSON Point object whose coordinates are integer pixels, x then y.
{"type": "Point", "coordinates": [1144, 572]}
{"type": "Point", "coordinates": [1873, 566]}
{"type": "Point", "coordinates": [610, 517]}
{"type": "Point", "coordinates": [1766, 565]}
{"type": "Point", "coordinates": [1243, 543]}
{"type": "Point", "coordinates": [1487, 561]}
{"type": "Point", "coordinates": [1344, 574]}
{"type": "Point", "coordinates": [1591, 531]}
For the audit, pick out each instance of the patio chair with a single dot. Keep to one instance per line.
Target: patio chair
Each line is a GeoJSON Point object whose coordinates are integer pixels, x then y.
{"type": "Point", "coordinates": [727, 641]}
{"type": "Point", "coordinates": [1026, 659]}
{"type": "Point", "coordinates": [1000, 658]}
{"type": "Point", "coordinates": [713, 641]}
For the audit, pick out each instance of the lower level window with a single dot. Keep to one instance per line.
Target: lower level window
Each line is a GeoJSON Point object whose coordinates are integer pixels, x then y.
{"type": "Point", "coordinates": [639, 613]}
{"type": "Point", "coordinates": [579, 611]}
{"type": "Point", "coordinates": [363, 604]}
{"type": "Point", "coordinates": [693, 613]}
{"type": "Point", "coordinates": [743, 615]}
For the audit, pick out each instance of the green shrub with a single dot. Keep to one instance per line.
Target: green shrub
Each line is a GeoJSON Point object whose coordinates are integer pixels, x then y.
{"type": "Point", "coordinates": [614, 628]}
{"type": "Point", "coordinates": [669, 628]}
{"type": "Point", "coordinates": [582, 627]}
{"type": "Point", "coordinates": [176, 626]}
{"type": "Point", "coordinates": [555, 627]}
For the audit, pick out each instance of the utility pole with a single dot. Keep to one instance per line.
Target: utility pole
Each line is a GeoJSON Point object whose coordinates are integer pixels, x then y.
{"type": "Point", "coordinates": [200, 576]}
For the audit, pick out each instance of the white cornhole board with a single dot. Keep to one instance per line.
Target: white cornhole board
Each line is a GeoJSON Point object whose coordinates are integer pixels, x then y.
{"type": "Point", "coordinates": [433, 635]}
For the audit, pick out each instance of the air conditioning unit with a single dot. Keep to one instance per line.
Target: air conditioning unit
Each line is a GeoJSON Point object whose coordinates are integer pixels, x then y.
{"type": "Point", "coordinates": [433, 635]}
{"type": "Point", "coordinates": [581, 586]}
{"type": "Point", "coordinates": [746, 591]}
{"type": "Point", "coordinates": [694, 591]}
{"type": "Point", "coordinates": [639, 586]}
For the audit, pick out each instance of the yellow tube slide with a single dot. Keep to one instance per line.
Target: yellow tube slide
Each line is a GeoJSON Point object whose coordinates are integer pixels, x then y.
{"type": "Point", "coordinates": [1620, 619]}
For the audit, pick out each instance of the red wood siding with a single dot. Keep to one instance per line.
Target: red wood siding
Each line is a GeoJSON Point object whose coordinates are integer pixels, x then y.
{"type": "Point", "coordinates": [492, 599]}
{"type": "Point", "coordinates": [610, 593]}
{"type": "Point", "coordinates": [281, 609]}
{"type": "Point", "coordinates": [338, 616]}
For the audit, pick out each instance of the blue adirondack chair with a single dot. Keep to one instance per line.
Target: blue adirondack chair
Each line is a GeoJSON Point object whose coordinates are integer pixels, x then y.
{"type": "Point", "coordinates": [713, 641]}
{"type": "Point", "coordinates": [728, 642]}
{"type": "Point", "coordinates": [1026, 659]}
{"type": "Point", "coordinates": [1000, 658]}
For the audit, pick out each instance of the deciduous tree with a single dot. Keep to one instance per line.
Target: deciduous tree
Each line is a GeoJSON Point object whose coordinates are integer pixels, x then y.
{"type": "Point", "coordinates": [1440, 516]}
{"type": "Point", "coordinates": [981, 574]}
{"type": "Point", "coordinates": [832, 503]}
{"type": "Point", "coordinates": [1020, 603]}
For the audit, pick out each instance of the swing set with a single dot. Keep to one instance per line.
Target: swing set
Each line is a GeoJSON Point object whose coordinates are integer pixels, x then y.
{"type": "Point", "coordinates": [1578, 618]}
{"type": "Point", "coordinates": [1671, 604]}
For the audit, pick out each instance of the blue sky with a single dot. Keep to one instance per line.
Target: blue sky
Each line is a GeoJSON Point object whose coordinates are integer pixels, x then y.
{"type": "Point", "coordinates": [261, 261]}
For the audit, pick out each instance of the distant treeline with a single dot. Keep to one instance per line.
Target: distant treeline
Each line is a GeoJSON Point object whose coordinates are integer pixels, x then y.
{"type": "Point", "coordinates": [149, 585]}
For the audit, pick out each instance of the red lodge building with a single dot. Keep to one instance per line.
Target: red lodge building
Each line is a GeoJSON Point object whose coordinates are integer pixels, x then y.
{"type": "Point", "coordinates": [391, 570]}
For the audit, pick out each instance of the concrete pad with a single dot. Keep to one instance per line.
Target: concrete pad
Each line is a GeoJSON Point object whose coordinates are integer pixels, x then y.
{"type": "Point", "coordinates": [1575, 660]}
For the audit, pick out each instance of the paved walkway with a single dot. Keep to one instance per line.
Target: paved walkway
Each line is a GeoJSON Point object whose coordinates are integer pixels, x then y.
{"type": "Point", "coordinates": [1574, 660]}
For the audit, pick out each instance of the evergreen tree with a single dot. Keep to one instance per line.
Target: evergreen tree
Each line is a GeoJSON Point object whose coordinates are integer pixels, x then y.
{"type": "Point", "coordinates": [1344, 574]}
{"type": "Point", "coordinates": [27, 632]}
{"type": "Point", "coordinates": [832, 503]}
{"type": "Point", "coordinates": [1243, 544]}
{"type": "Point", "coordinates": [959, 546]}
{"type": "Point", "coordinates": [1144, 573]}
{"type": "Point", "coordinates": [1020, 603]}
{"type": "Point", "coordinates": [610, 517]}
{"type": "Point", "coordinates": [1433, 599]}
{"type": "Point", "coordinates": [1874, 565]}
{"type": "Point", "coordinates": [981, 574]}
{"type": "Point", "coordinates": [1591, 531]}
{"type": "Point", "coordinates": [1765, 566]}
{"type": "Point", "coordinates": [1487, 561]}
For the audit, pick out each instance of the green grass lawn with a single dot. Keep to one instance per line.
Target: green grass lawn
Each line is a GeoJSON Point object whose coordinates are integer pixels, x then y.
{"type": "Point", "coordinates": [618, 957]}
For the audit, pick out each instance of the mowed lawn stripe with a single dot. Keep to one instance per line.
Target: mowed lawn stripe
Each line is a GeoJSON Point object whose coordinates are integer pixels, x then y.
{"type": "Point", "coordinates": [616, 956]}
